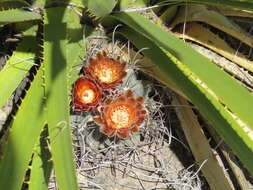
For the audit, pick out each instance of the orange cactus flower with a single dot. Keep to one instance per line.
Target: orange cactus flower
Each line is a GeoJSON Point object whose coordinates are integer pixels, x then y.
{"type": "Point", "coordinates": [121, 116]}
{"type": "Point", "coordinates": [86, 94]}
{"type": "Point", "coordinates": [106, 71]}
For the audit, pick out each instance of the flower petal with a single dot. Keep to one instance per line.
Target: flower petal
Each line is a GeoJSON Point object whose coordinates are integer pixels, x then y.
{"type": "Point", "coordinates": [107, 130]}
{"type": "Point", "coordinates": [123, 133]}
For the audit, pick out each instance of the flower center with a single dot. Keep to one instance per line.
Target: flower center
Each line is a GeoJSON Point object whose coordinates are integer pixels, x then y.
{"type": "Point", "coordinates": [88, 96]}
{"type": "Point", "coordinates": [106, 75]}
{"type": "Point", "coordinates": [120, 116]}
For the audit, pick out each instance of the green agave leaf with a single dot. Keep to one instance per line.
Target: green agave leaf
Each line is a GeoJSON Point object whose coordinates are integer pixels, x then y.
{"type": "Point", "coordinates": [193, 74]}
{"type": "Point", "coordinates": [18, 65]}
{"type": "Point", "coordinates": [128, 4]}
{"type": "Point", "coordinates": [17, 15]}
{"type": "Point", "coordinates": [23, 135]}
{"type": "Point", "coordinates": [57, 98]}
{"type": "Point", "coordinates": [246, 4]}
{"type": "Point", "coordinates": [75, 46]}
{"type": "Point", "coordinates": [39, 3]}
{"type": "Point", "coordinates": [41, 164]}
{"type": "Point", "coordinates": [77, 2]}
{"type": "Point", "coordinates": [169, 14]}
{"type": "Point", "coordinates": [21, 1]}
{"type": "Point", "coordinates": [12, 4]}
{"type": "Point", "coordinates": [100, 8]}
